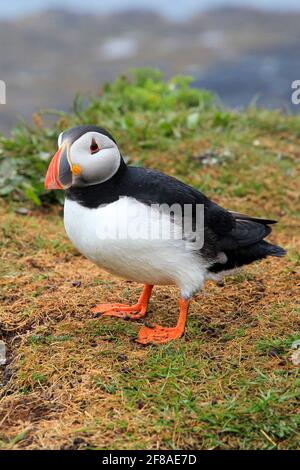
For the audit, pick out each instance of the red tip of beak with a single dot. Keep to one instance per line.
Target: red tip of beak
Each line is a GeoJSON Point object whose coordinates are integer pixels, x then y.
{"type": "Point", "coordinates": [52, 176]}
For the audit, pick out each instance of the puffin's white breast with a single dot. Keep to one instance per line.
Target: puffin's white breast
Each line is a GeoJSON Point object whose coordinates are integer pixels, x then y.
{"type": "Point", "coordinates": [116, 237]}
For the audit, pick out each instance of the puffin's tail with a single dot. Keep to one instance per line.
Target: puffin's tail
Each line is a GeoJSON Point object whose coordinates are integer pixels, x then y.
{"type": "Point", "coordinates": [257, 251]}
{"type": "Point", "coordinates": [246, 255]}
{"type": "Point", "coordinates": [272, 250]}
{"type": "Point", "coordinates": [245, 243]}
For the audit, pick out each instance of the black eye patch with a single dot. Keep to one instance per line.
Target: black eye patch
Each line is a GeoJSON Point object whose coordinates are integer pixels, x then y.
{"type": "Point", "coordinates": [94, 148]}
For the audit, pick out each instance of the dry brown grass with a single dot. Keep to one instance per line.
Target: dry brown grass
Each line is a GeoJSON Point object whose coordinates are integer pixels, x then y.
{"type": "Point", "coordinates": [76, 381]}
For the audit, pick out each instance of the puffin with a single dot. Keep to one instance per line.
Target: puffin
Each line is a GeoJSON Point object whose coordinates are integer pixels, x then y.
{"type": "Point", "coordinates": [148, 227]}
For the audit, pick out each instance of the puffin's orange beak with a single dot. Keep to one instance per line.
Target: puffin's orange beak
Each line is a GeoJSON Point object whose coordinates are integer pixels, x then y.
{"type": "Point", "coordinates": [51, 180]}
{"type": "Point", "coordinates": [59, 174]}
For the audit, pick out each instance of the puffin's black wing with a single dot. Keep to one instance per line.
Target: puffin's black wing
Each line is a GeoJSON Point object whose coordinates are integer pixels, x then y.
{"type": "Point", "coordinates": [239, 236]}
{"type": "Point", "coordinates": [154, 187]}
{"type": "Point", "coordinates": [245, 233]}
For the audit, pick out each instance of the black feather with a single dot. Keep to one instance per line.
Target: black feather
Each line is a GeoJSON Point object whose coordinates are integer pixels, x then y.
{"type": "Point", "coordinates": [239, 216]}
{"type": "Point", "coordinates": [244, 233]}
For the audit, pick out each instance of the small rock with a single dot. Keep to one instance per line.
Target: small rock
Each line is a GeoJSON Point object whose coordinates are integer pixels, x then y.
{"type": "Point", "coordinates": [22, 211]}
{"type": "Point", "coordinates": [76, 283]}
{"type": "Point", "coordinates": [207, 158]}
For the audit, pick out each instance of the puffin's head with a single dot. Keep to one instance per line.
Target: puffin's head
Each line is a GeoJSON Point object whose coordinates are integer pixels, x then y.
{"type": "Point", "coordinates": [86, 155]}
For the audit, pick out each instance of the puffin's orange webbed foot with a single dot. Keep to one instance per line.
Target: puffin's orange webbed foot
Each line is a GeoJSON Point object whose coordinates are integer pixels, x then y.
{"type": "Point", "coordinates": [127, 312]}
{"type": "Point", "coordinates": [159, 334]}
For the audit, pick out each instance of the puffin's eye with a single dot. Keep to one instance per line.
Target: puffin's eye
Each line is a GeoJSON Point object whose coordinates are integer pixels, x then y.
{"type": "Point", "coordinates": [94, 148]}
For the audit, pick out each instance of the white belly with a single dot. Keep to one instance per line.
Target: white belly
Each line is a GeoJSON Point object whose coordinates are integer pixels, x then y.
{"type": "Point", "coordinates": [136, 257]}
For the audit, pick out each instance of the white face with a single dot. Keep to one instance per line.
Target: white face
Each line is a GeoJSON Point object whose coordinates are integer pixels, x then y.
{"type": "Point", "coordinates": [93, 157]}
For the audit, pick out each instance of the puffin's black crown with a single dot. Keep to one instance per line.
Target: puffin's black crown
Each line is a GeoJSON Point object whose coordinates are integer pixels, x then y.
{"type": "Point", "coordinates": [76, 132]}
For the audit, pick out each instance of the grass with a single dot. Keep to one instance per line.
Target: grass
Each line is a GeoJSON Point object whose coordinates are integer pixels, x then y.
{"type": "Point", "coordinates": [74, 381]}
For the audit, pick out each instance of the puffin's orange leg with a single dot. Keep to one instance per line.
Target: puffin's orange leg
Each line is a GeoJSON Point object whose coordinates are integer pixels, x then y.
{"type": "Point", "coordinates": [159, 334]}
{"type": "Point", "coordinates": [127, 311]}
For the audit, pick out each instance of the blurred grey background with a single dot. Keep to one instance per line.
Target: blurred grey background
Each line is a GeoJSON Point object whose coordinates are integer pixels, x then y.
{"type": "Point", "coordinates": [245, 51]}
